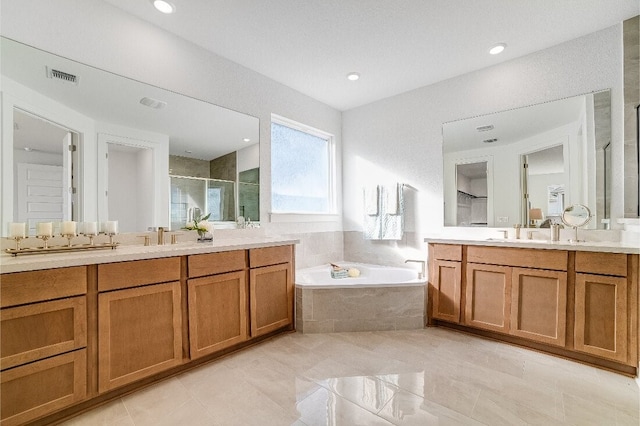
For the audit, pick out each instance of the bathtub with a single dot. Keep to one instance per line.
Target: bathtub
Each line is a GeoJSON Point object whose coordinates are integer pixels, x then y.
{"type": "Point", "coordinates": [370, 276]}
{"type": "Point", "coordinates": [381, 298]}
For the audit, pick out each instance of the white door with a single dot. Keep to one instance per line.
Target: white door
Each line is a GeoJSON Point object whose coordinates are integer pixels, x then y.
{"type": "Point", "coordinates": [41, 191]}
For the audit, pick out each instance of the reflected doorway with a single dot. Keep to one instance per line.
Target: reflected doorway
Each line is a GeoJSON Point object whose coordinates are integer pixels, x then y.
{"type": "Point", "coordinates": [471, 185]}
{"type": "Point", "coordinates": [544, 179]}
{"type": "Point", "coordinates": [44, 155]}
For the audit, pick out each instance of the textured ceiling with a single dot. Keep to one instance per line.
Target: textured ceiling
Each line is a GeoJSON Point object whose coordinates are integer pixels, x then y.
{"type": "Point", "coordinates": [396, 45]}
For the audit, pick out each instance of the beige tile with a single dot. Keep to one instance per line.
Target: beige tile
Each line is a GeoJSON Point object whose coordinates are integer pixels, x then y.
{"type": "Point", "coordinates": [324, 407]}
{"type": "Point", "coordinates": [408, 377]}
{"type": "Point", "coordinates": [364, 325]}
{"type": "Point", "coordinates": [111, 414]}
{"type": "Point", "coordinates": [191, 413]}
{"type": "Point", "coordinates": [243, 404]}
{"type": "Point", "coordinates": [498, 409]}
{"type": "Point", "coordinates": [312, 326]}
{"type": "Point", "coordinates": [367, 392]}
{"type": "Point", "coordinates": [157, 401]}
{"type": "Point", "coordinates": [580, 411]}
{"type": "Point", "coordinates": [408, 409]}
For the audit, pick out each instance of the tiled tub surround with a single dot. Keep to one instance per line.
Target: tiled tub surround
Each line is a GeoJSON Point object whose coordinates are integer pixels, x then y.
{"type": "Point", "coordinates": [375, 301]}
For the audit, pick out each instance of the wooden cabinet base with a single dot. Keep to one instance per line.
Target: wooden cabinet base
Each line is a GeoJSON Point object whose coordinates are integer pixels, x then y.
{"type": "Point", "coordinates": [554, 350]}
{"type": "Point", "coordinates": [33, 390]}
{"type": "Point", "coordinates": [140, 333]}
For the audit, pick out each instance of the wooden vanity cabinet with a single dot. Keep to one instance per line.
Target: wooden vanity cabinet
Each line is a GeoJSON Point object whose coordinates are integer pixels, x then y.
{"type": "Point", "coordinates": [43, 332]}
{"type": "Point", "coordinates": [539, 305]}
{"type": "Point", "coordinates": [218, 302]}
{"type": "Point", "coordinates": [518, 291]}
{"type": "Point", "coordinates": [446, 270]}
{"type": "Point", "coordinates": [139, 328]}
{"type": "Point", "coordinates": [582, 305]}
{"type": "Point", "coordinates": [270, 289]}
{"type": "Point", "coordinates": [602, 305]}
{"type": "Point", "coordinates": [488, 297]}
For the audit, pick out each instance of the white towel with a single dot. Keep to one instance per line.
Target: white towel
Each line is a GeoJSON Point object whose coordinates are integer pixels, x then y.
{"type": "Point", "coordinates": [392, 224]}
{"type": "Point", "coordinates": [391, 199]}
{"type": "Point", "coordinates": [371, 200]}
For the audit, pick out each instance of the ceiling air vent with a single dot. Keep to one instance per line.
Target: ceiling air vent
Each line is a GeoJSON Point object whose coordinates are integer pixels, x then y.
{"type": "Point", "coordinates": [490, 140]}
{"type": "Point", "coordinates": [62, 76]}
{"type": "Point", "coordinates": [485, 128]}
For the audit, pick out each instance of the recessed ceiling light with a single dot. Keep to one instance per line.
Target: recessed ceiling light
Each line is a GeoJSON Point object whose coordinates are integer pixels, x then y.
{"type": "Point", "coordinates": [498, 48]}
{"type": "Point", "coordinates": [353, 76]}
{"type": "Point", "coordinates": [163, 6]}
{"type": "Point", "coordinates": [188, 151]}
{"type": "Point", "coordinates": [246, 140]}
{"type": "Point", "coordinates": [26, 148]}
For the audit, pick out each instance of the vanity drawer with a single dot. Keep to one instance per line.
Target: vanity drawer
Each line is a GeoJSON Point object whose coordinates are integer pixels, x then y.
{"type": "Point", "coordinates": [200, 265]}
{"type": "Point", "coordinates": [525, 258]}
{"type": "Point", "coordinates": [34, 286]}
{"type": "Point", "coordinates": [269, 256]}
{"type": "Point", "coordinates": [53, 328]}
{"type": "Point", "coordinates": [43, 387]}
{"type": "Point", "coordinates": [602, 263]}
{"type": "Point", "coordinates": [113, 276]}
{"type": "Point", "coordinates": [447, 252]}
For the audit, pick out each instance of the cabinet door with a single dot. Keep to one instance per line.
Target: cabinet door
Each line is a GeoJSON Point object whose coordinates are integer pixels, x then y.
{"type": "Point", "coordinates": [43, 387]}
{"type": "Point", "coordinates": [601, 316]}
{"type": "Point", "coordinates": [217, 312]}
{"type": "Point", "coordinates": [446, 290]}
{"type": "Point", "coordinates": [539, 305]}
{"type": "Point", "coordinates": [488, 303]}
{"type": "Point", "coordinates": [52, 328]}
{"type": "Point", "coordinates": [139, 333]}
{"type": "Point", "coordinates": [271, 296]}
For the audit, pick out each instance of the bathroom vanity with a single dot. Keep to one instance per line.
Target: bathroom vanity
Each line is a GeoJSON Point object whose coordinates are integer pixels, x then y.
{"type": "Point", "coordinates": [578, 301]}
{"type": "Point", "coordinates": [80, 329]}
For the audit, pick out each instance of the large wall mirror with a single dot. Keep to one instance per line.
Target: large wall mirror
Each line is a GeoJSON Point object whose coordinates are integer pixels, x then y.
{"type": "Point", "coordinates": [80, 143]}
{"type": "Point", "coordinates": [525, 165]}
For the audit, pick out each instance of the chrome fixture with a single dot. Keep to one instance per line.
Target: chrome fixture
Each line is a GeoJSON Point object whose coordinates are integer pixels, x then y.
{"type": "Point", "coordinates": [422, 273]}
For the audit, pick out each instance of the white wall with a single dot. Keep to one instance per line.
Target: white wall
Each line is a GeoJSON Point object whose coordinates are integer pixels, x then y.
{"type": "Point", "coordinates": [402, 135]}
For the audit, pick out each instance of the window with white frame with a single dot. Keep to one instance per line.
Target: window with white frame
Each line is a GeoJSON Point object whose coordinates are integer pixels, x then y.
{"type": "Point", "coordinates": [302, 168]}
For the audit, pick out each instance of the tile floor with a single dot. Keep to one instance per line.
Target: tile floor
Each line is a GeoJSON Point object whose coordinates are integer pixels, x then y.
{"type": "Point", "coordinates": [419, 377]}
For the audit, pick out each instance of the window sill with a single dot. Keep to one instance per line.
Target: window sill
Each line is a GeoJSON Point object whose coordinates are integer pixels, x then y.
{"type": "Point", "coordinates": [302, 217]}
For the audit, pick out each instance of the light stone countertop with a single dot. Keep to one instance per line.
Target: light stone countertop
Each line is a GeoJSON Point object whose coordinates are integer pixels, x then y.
{"type": "Point", "coordinates": [32, 262]}
{"type": "Point", "coordinates": [597, 246]}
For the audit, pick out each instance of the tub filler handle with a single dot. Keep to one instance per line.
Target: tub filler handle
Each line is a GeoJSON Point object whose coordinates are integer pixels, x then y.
{"type": "Point", "coordinates": [421, 274]}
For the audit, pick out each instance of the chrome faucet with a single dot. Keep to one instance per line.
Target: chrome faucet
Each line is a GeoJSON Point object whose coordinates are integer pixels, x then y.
{"type": "Point", "coordinates": [161, 230]}
{"type": "Point", "coordinates": [421, 274]}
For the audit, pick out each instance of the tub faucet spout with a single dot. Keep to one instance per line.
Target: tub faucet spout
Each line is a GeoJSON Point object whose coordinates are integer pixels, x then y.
{"type": "Point", "coordinates": [422, 263]}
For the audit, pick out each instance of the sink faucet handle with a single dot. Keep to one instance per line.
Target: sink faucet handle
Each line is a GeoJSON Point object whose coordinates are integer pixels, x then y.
{"type": "Point", "coordinates": [505, 233]}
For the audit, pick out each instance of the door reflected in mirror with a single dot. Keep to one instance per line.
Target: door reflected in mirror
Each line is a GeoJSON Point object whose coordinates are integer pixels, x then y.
{"type": "Point", "coordinates": [544, 179]}
{"type": "Point", "coordinates": [43, 170]}
{"type": "Point", "coordinates": [471, 185]}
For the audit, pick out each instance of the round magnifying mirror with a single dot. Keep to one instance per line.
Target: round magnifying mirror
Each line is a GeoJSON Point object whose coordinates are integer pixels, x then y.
{"type": "Point", "coordinates": [576, 216]}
